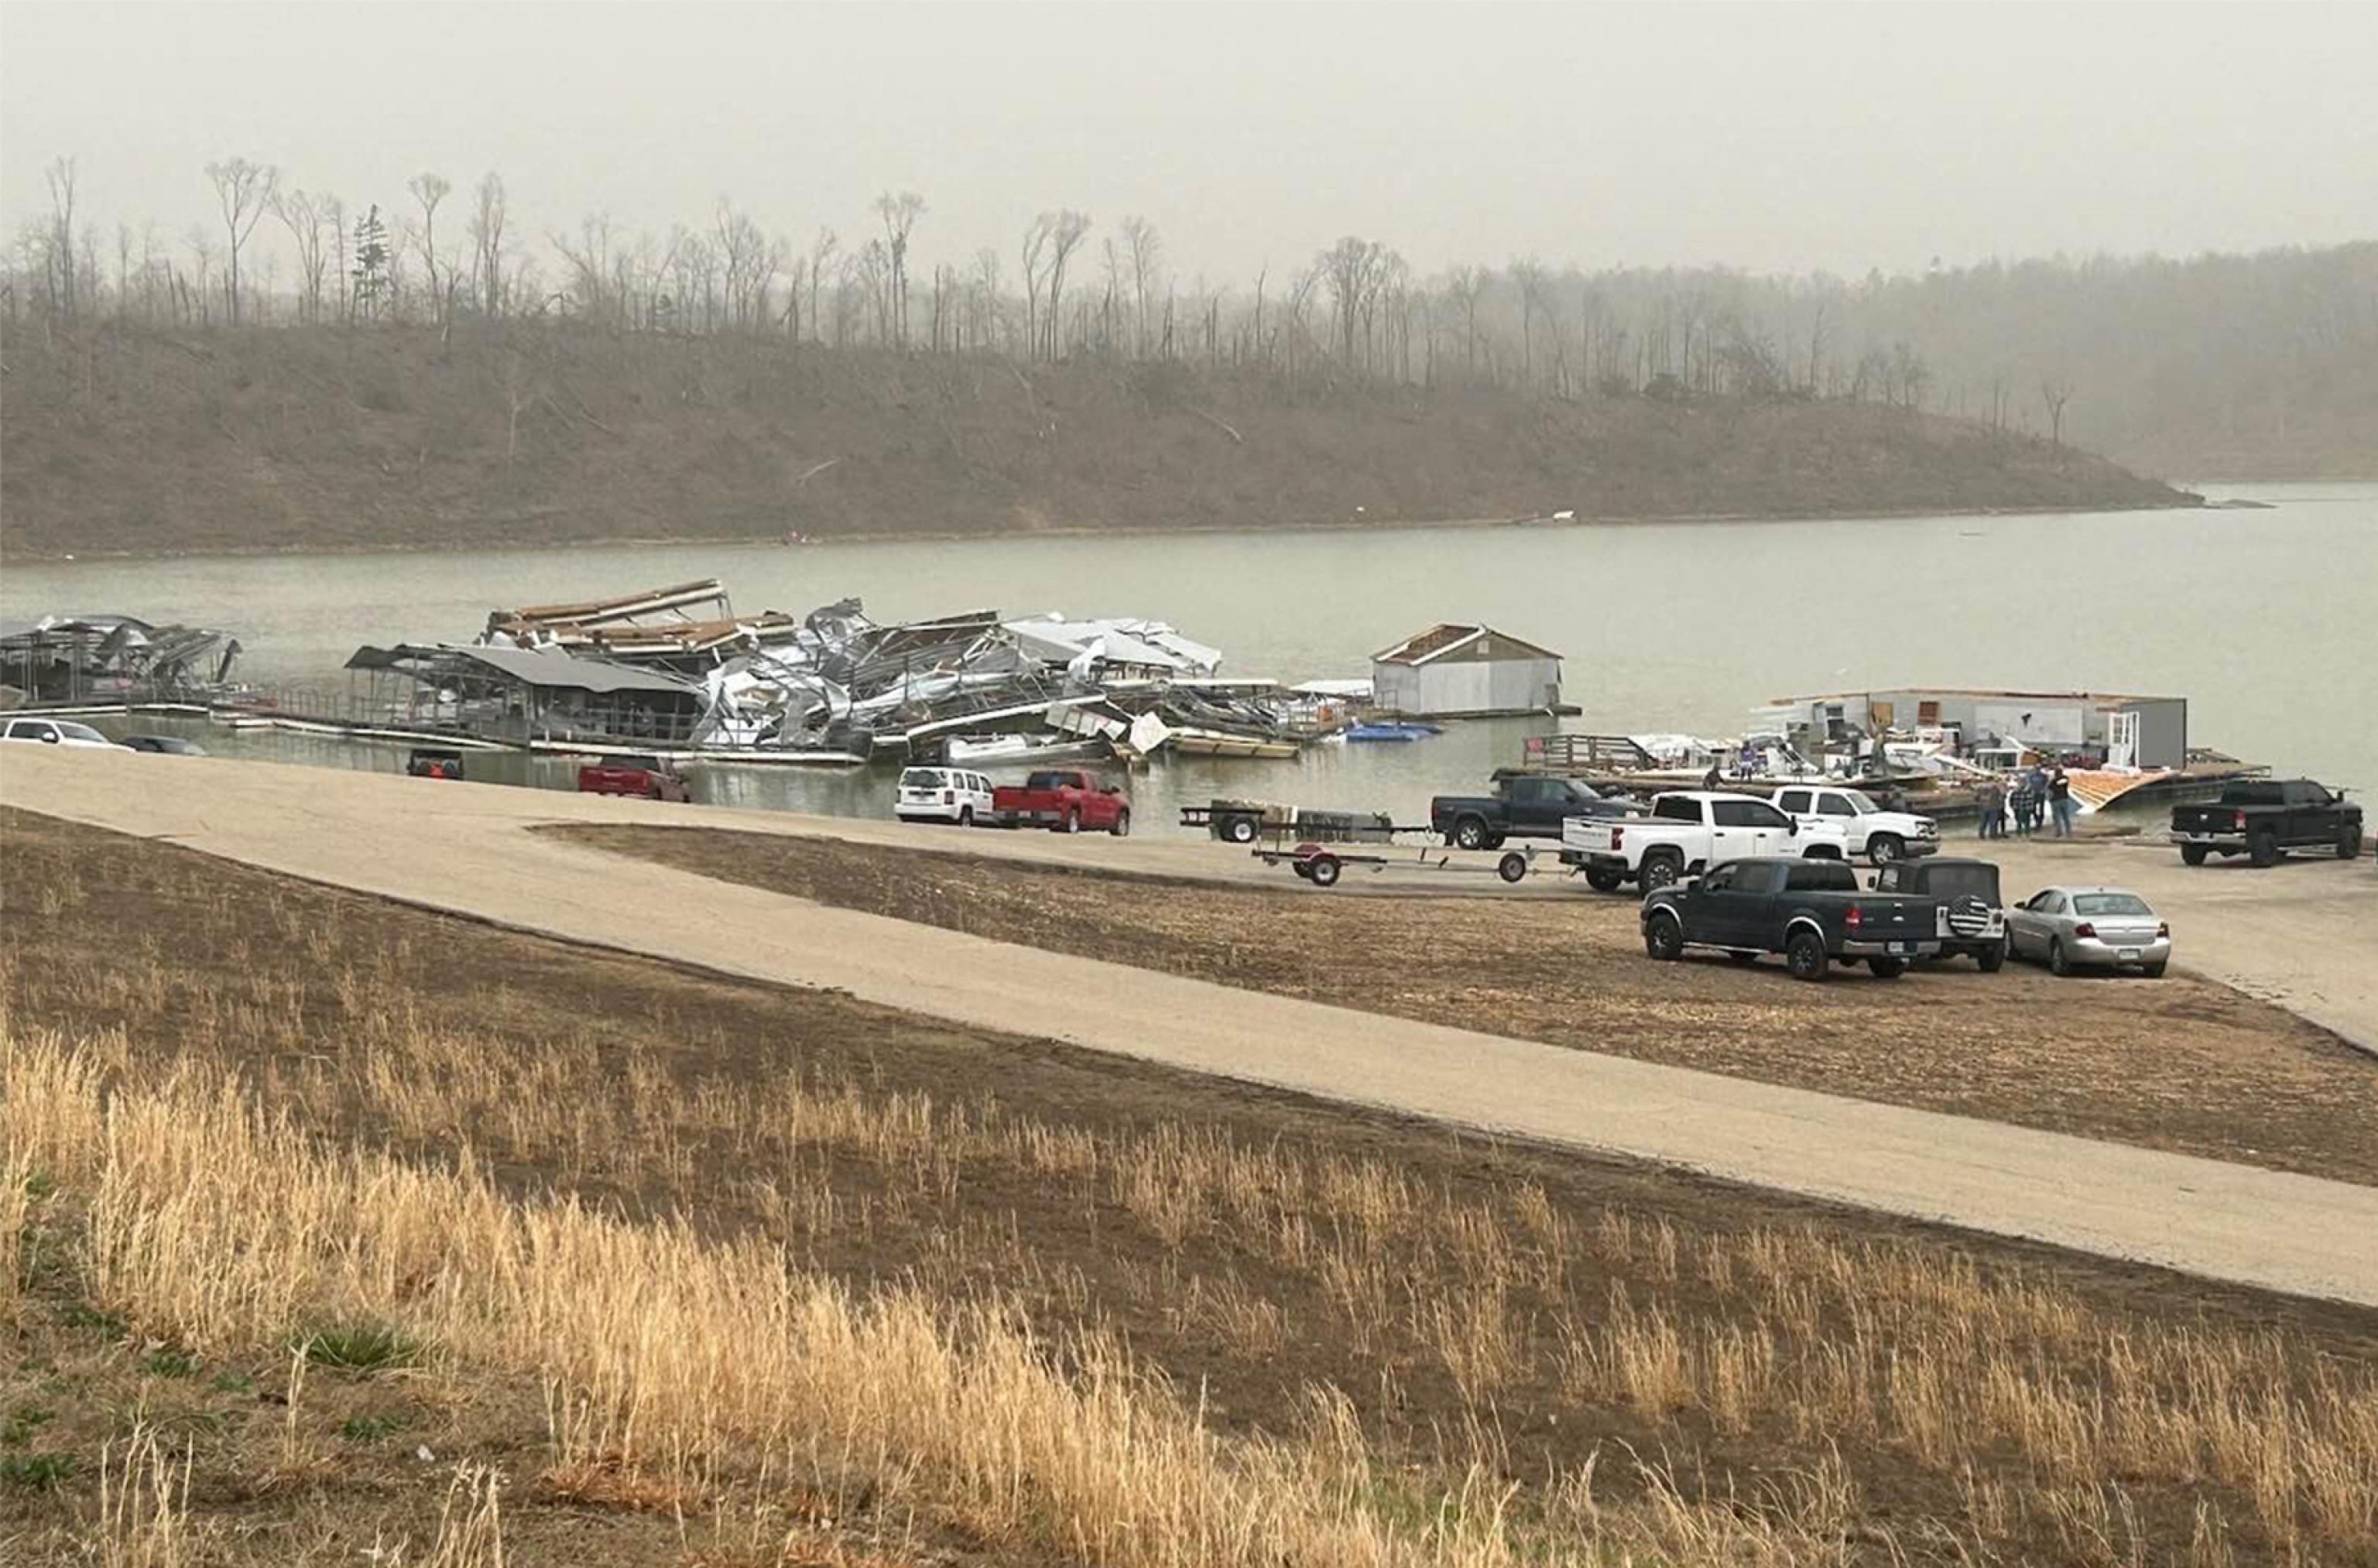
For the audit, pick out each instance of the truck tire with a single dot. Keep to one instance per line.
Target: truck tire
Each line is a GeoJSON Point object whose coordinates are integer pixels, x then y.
{"type": "Point", "coordinates": [1990, 960]}
{"type": "Point", "coordinates": [1663, 936]}
{"type": "Point", "coordinates": [1658, 871]}
{"type": "Point", "coordinates": [1239, 830]}
{"type": "Point", "coordinates": [2262, 849]}
{"type": "Point", "coordinates": [1512, 867]}
{"type": "Point", "coordinates": [1322, 870]}
{"type": "Point", "coordinates": [2192, 853]}
{"type": "Point", "coordinates": [1122, 827]}
{"type": "Point", "coordinates": [1804, 956]}
{"type": "Point", "coordinates": [2057, 963]}
{"type": "Point", "coordinates": [1602, 879]}
{"type": "Point", "coordinates": [1887, 968]}
{"type": "Point", "coordinates": [1469, 832]}
{"type": "Point", "coordinates": [1884, 848]}
{"type": "Point", "coordinates": [2349, 842]}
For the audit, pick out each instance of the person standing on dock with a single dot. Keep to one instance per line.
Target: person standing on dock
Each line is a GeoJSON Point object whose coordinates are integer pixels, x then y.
{"type": "Point", "coordinates": [2060, 800]}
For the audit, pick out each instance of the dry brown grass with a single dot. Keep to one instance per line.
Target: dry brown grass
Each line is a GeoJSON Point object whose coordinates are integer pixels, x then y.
{"type": "Point", "coordinates": [1057, 1344]}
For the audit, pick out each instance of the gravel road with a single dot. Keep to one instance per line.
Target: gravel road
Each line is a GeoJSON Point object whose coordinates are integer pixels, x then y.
{"type": "Point", "coordinates": [464, 848]}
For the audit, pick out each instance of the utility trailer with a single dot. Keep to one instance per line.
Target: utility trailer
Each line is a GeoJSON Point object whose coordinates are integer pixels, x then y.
{"type": "Point", "coordinates": [1323, 864]}
{"type": "Point", "coordinates": [1244, 821]}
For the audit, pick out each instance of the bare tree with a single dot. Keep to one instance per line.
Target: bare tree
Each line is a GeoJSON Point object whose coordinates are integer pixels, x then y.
{"type": "Point", "coordinates": [429, 190]}
{"type": "Point", "coordinates": [899, 212]}
{"type": "Point", "coordinates": [821, 252]}
{"type": "Point", "coordinates": [1035, 245]}
{"type": "Point", "coordinates": [1354, 271]}
{"type": "Point", "coordinates": [488, 212]}
{"type": "Point", "coordinates": [301, 214]}
{"type": "Point", "coordinates": [2053, 395]}
{"type": "Point", "coordinates": [1065, 231]}
{"type": "Point", "coordinates": [242, 191]}
{"type": "Point", "coordinates": [1146, 250]}
{"type": "Point", "coordinates": [59, 248]}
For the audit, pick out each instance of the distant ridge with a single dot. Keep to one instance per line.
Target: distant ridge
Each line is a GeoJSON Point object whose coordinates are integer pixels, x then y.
{"type": "Point", "coordinates": [529, 434]}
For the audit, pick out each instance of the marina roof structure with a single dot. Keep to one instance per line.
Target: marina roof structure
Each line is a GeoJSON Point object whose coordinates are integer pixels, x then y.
{"type": "Point", "coordinates": [543, 669]}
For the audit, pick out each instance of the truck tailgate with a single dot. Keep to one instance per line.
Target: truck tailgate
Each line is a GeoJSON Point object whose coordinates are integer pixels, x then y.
{"type": "Point", "coordinates": [1889, 918]}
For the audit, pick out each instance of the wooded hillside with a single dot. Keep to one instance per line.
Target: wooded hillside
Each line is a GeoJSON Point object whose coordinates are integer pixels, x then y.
{"type": "Point", "coordinates": [536, 433]}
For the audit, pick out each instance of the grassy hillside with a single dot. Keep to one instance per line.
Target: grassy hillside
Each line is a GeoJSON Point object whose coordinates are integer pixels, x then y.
{"type": "Point", "coordinates": [324, 438]}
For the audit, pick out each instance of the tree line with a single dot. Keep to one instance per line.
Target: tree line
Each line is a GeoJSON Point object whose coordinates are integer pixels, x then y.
{"type": "Point", "coordinates": [2129, 344]}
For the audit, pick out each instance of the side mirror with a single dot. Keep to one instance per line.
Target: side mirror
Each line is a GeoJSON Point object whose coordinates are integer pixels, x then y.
{"type": "Point", "coordinates": [1792, 827]}
{"type": "Point", "coordinates": [49, 737]}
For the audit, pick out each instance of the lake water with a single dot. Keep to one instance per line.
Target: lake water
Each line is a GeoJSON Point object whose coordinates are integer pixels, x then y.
{"type": "Point", "coordinates": [2268, 621]}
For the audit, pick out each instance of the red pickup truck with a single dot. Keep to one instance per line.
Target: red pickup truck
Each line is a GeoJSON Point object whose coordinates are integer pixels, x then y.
{"type": "Point", "coordinates": [647, 776]}
{"type": "Point", "coordinates": [1064, 800]}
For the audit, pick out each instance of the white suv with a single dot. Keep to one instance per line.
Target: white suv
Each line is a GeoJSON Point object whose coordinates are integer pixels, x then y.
{"type": "Point", "coordinates": [943, 794]}
{"type": "Point", "coordinates": [57, 732]}
{"type": "Point", "coordinates": [1881, 836]}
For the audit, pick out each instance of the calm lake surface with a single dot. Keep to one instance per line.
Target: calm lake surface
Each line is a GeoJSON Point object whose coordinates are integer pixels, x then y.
{"type": "Point", "coordinates": [2268, 621]}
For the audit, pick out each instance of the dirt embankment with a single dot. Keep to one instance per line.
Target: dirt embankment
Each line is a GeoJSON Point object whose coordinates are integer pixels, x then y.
{"type": "Point", "coordinates": [2177, 1064]}
{"type": "Point", "coordinates": [1831, 1389]}
{"type": "Point", "coordinates": [520, 435]}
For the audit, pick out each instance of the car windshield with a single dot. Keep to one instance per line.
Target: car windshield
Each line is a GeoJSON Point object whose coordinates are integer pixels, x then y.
{"type": "Point", "coordinates": [2109, 903]}
{"type": "Point", "coordinates": [921, 778]}
{"type": "Point", "coordinates": [72, 731]}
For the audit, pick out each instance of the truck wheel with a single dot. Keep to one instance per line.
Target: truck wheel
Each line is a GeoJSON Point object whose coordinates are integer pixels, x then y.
{"type": "Point", "coordinates": [2349, 842]}
{"type": "Point", "coordinates": [1603, 880]}
{"type": "Point", "coordinates": [1663, 936]}
{"type": "Point", "coordinates": [2263, 848]}
{"type": "Point", "coordinates": [2192, 853]}
{"type": "Point", "coordinates": [1322, 871]}
{"type": "Point", "coordinates": [1239, 830]}
{"type": "Point", "coordinates": [1883, 848]}
{"type": "Point", "coordinates": [2057, 963]}
{"type": "Point", "coordinates": [1512, 867]}
{"type": "Point", "coordinates": [1804, 956]}
{"type": "Point", "coordinates": [1659, 871]}
{"type": "Point", "coordinates": [1469, 833]}
{"type": "Point", "coordinates": [1887, 968]}
{"type": "Point", "coordinates": [1122, 827]}
{"type": "Point", "coordinates": [1992, 959]}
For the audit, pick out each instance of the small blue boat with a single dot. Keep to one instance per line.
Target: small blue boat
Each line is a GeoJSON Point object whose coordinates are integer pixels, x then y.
{"type": "Point", "coordinates": [1400, 729]}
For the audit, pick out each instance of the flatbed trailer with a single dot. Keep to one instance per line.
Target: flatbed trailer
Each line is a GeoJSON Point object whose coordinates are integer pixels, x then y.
{"type": "Point", "coordinates": [1323, 864]}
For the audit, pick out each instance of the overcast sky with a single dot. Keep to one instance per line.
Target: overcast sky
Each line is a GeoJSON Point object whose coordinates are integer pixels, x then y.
{"type": "Point", "coordinates": [1775, 137]}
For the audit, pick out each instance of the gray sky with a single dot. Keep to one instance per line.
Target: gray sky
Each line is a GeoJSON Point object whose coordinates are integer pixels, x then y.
{"type": "Point", "coordinates": [1774, 136]}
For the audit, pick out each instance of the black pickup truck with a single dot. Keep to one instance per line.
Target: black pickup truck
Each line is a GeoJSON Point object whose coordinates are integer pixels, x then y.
{"type": "Point", "coordinates": [1523, 806]}
{"type": "Point", "coordinates": [2262, 817]}
{"type": "Point", "coordinates": [1813, 912]}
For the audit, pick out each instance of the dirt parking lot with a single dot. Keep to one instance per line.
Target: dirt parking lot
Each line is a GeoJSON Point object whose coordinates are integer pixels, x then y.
{"type": "Point", "coordinates": [2177, 1063]}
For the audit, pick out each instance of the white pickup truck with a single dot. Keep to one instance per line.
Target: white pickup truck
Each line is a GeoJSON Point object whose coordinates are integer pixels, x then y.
{"type": "Point", "coordinates": [1689, 831]}
{"type": "Point", "coordinates": [1881, 836]}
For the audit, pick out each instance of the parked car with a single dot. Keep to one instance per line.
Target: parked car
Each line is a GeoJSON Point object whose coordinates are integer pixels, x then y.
{"type": "Point", "coordinates": [56, 732]}
{"type": "Point", "coordinates": [2069, 929]}
{"type": "Point", "coordinates": [434, 762]}
{"type": "Point", "coordinates": [943, 794]}
{"type": "Point", "coordinates": [1973, 916]}
{"type": "Point", "coordinates": [1813, 912]}
{"type": "Point", "coordinates": [1064, 800]}
{"type": "Point", "coordinates": [2262, 818]}
{"type": "Point", "coordinates": [1688, 831]}
{"type": "Point", "coordinates": [1523, 806]}
{"type": "Point", "coordinates": [1881, 836]}
{"type": "Point", "coordinates": [646, 777]}
{"type": "Point", "coordinates": [168, 745]}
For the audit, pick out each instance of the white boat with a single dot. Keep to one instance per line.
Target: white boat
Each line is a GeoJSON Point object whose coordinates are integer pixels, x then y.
{"type": "Point", "coordinates": [1018, 751]}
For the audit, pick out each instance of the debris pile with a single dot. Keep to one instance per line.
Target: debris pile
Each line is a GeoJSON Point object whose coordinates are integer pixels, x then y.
{"type": "Point", "coordinates": [836, 684]}
{"type": "Point", "coordinates": [115, 658]}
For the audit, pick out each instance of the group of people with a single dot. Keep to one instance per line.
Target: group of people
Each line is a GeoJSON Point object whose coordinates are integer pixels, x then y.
{"type": "Point", "coordinates": [2037, 797]}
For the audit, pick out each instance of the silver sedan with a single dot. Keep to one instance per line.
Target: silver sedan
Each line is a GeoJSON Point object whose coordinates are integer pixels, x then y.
{"type": "Point", "coordinates": [2070, 928]}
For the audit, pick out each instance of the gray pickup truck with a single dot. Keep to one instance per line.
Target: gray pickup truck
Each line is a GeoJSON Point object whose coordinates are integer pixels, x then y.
{"type": "Point", "coordinates": [1813, 912]}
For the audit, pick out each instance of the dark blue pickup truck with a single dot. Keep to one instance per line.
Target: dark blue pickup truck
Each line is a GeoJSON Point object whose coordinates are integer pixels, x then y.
{"type": "Point", "coordinates": [1813, 912]}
